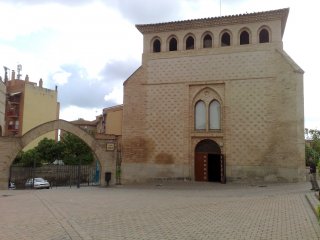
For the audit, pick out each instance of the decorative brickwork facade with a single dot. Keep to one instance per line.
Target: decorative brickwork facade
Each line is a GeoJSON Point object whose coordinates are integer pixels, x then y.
{"type": "Point", "coordinates": [221, 90]}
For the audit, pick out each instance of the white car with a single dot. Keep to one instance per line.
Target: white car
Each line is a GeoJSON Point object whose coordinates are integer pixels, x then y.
{"type": "Point", "coordinates": [12, 185]}
{"type": "Point", "coordinates": [38, 183]}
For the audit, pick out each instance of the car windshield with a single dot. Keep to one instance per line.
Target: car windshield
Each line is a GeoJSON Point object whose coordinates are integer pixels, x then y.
{"type": "Point", "coordinates": [39, 180]}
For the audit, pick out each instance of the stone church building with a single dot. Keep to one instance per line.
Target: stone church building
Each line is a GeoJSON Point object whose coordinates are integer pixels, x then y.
{"type": "Point", "coordinates": [215, 99]}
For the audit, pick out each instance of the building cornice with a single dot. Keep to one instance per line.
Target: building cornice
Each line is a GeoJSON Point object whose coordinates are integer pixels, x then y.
{"type": "Point", "coordinates": [279, 14]}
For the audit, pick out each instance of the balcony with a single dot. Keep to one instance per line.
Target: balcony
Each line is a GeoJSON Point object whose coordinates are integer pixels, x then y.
{"type": "Point", "coordinates": [13, 113]}
{"type": "Point", "coordinates": [13, 128]}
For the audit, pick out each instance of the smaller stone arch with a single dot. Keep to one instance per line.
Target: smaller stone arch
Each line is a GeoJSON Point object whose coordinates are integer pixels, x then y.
{"type": "Point", "coordinates": [200, 115]}
{"type": "Point", "coordinates": [155, 44]}
{"type": "Point", "coordinates": [207, 94]}
{"type": "Point", "coordinates": [214, 115]}
{"type": "Point", "coordinates": [244, 36]}
{"type": "Point", "coordinates": [208, 146]}
{"type": "Point", "coordinates": [189, 41]}
{"type": "Point", "coordinates": [225, 38]}
{"type": "Point", "coordinates": [172, 43]}
{"type": "Point", "coordinates": [207, 40]}
{"type": "Point", "coordinates": [264, 34]}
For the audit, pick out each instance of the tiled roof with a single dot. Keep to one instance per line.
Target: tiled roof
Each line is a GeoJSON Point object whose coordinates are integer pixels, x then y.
{"type": "Point", "coordinates": [216, 21]}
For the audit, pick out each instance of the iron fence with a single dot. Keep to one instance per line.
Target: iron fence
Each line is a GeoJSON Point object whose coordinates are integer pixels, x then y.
{"type": "Point", "coordinates": [57, 175]}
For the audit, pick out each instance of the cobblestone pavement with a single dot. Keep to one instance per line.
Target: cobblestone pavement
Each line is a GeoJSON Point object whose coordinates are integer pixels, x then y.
{"type": "Point", "coordinates": [172, 210]}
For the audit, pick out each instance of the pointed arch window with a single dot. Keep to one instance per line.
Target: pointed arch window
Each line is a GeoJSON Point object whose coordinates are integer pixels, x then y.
{"type": "Point", "coordinates": [264, 36]}
{"type": "Point", "coordinates": [200, 116]}
{"type": "Point", "coordinates": [214, 115]}
{"type": "Point", "coordinates": [207, 41]}
{"type": "Point", "coordinates": [190, 43]}
{"type": "Point", "coordinates": [156, 46]}
{"type": "Point", "coordinates": [173, 44]}
{"type": "Point", "coordinates": [244, 38]}
{"type": "Point", "coordinates": [225, 39]}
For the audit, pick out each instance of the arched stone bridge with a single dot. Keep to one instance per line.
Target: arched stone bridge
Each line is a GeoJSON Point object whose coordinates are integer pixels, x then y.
{"type": "Point", "coordinates": [11, 146]}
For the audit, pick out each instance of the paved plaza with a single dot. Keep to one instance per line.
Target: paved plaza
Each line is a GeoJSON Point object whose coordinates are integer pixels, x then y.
{"type": "Point", "coordinates": [170, 210]}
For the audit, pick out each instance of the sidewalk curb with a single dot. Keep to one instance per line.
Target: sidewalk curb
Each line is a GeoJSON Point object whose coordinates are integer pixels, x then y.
{"type": "Point", "coordinates": [313, 202]}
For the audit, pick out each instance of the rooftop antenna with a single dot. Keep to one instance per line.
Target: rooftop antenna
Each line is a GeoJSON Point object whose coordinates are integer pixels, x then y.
{"type": "Point", "coordinates": [220, 8]}
{"type": "Point", "coordinates": [19, 69]}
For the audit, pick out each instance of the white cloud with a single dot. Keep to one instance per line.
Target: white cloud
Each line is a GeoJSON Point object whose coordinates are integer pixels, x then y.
{"type": "Point", "coordinates": [85, 113]}
{"type": "Point", "coordinates": [61, 77]}
{"type": "Point", "coordinates": [48, 35]}
{"type": "Point", "coordinates": [116, 95]}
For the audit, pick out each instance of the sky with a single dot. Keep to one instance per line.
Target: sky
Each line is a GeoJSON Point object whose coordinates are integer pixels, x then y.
{"type": "Point", "coordinates": [88, 48]}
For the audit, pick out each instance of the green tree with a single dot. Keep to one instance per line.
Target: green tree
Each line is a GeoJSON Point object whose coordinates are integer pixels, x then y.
{"type": "Point", "coordinates": [71, 149]}
{"type": "Point", "coordinates": [75, 150]}
{"type": "Point", "coordinates": [313, 145]}
{"type": "Point", "coordinates": [29, 158]}
{"type": "Point", "coordinates": [49, 150]}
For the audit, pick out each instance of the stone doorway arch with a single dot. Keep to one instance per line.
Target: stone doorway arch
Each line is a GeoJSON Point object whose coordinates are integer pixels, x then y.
{"type": "Point", "coordinates": [209, 164]}
{"type": "Point", "coordinates": [11, 146]}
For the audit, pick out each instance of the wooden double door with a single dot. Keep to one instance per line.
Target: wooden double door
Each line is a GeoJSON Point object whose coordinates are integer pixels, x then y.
{"type": "Point", "coordinates": [209, 167]}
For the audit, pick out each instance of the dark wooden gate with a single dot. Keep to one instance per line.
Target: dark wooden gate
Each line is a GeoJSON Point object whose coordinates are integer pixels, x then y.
{"type": "Point", "coordinates": [223, 169]}
{"type": "Point", "coordinates": [203, 149]}
{"type": "Point", "coordinates": [201, 167]}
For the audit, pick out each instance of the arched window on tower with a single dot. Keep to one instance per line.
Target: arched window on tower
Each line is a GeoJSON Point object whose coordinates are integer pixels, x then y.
{"type": "Point", "coordinates": [214, 115]}
{"type": "Point", "coordinates": [189, 43]}
{"type": "Point", "coordinates": [173, 44]}
{"type": "Point", "coordinates": [264, 36]}
{"type": "Point", "coordinates": [200, 115]}
{"type": "Point", "coordinates": [225, 39]}
{"type": "Point", "coordinates": [156, 46]}
{"type": "Point", "coordinates": [207, 41]}
{"type": "Point", "coordinates": [244, 38]}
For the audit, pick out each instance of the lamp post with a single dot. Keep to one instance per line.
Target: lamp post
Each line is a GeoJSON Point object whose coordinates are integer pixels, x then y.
{"type": "Point", "coordinates": [79, 172]}
{"type": "Point", "coordinates": [33, 170]}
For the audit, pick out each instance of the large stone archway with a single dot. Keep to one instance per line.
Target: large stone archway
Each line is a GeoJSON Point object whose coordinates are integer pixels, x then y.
{"type": "Point", "coordinates": [11, 146]}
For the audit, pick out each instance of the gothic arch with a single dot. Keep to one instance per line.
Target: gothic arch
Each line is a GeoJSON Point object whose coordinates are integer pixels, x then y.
{"type": "Point", "coordinates": [155, 45]}
{"type": "Point", "coordinates": [207, 40]}
{"type": "Point", "coordinates": [207, 94]}
{"type": "Point", "coordinates": [225, 38]}
{"type": "Point", "coordinates": [68, 127]}
{"type": "Point", "coordinates": [267, 30]}
{"type": "Point", "coordinates": [172, 43]}
{"type": "Point", "coordinates": [14, 145]}
{"type": "Point", "coordinates": [244, 36]}
{"type": "Point", "coordinates": [55, 125]}
{"type": "Point", "coordinates": [189, 42]}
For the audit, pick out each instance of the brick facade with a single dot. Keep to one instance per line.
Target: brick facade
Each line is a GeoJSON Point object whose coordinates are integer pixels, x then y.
{"type": "Point", "coordinates": [258, 86]}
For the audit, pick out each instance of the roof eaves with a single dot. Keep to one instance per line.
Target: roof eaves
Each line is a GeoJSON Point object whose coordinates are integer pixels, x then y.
{"type": "Point", "coordinates": [216, 21]}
